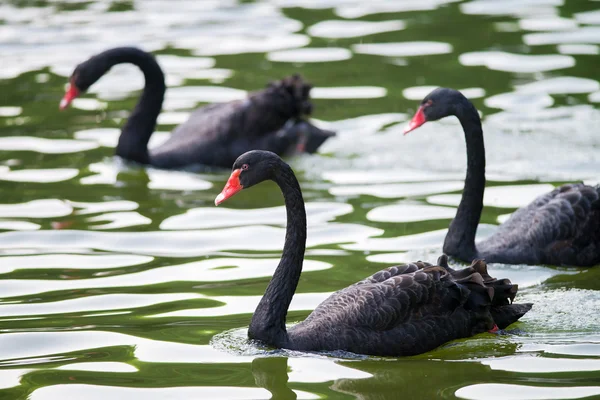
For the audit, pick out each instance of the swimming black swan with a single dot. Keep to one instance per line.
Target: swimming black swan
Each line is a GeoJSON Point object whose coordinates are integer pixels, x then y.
{"type": "Point", "coordinates": [560, 228]}
{"type": "Point", "coordinates": [399, 311]}
{"type": "Point", "coordinates": [215, 135]}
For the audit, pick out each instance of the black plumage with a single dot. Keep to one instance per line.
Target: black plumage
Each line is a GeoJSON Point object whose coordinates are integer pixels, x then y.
{"type": "Point", "coordinates": [273, 119]}
{"type": "Point", "coordinates": [402, 310]}
{"type": "Point", "coordinates": [561, 227]}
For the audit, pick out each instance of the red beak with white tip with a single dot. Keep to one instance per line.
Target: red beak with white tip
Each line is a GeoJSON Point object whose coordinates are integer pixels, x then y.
{"type": "Point", "coordinates": [232, 186]}
{"type": "Point", "coordinates": [70, 95]}
{"type": "Point", "coordinates": [416, 121]}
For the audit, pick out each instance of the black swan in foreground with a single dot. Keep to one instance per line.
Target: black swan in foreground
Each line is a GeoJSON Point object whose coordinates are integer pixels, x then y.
{"type": "Point", "coordinates": [560, 228]}
{"type": "Point", "coordinates": [402, 310]}
{"type": "Point", "coordinates": [215, 135]}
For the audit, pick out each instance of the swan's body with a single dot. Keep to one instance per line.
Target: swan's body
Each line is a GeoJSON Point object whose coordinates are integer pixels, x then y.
{"type": "Point", "coordinates": [215, 135]}
{"type": "Point", "coordinates": [402, 310]}
{"type": "Point", "coordinates": [561, 227]}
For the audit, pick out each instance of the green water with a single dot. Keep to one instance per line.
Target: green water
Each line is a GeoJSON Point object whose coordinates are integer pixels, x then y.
{"type": "Point", "coordinates": [125, 282]}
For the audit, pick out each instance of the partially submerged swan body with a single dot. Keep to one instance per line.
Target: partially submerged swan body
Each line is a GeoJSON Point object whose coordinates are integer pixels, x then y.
{"type": "Point", "coordinates": [273, 119]}
{"type": "Point", "coordinates": [560, 228]}
{"type": "Point", "coordinates": [399, 311]}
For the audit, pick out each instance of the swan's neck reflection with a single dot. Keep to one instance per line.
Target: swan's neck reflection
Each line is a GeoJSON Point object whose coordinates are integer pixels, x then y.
{"type": "Point", "coordinates": [271, 373]}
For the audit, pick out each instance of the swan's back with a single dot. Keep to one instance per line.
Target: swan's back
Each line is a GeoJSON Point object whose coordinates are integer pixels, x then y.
{"type": "Point", "coordinates": [560, 227]}
{"type": "Point", "coordinates": [407, 309]}
{"type": "Point", "coordinates": [218, 133]}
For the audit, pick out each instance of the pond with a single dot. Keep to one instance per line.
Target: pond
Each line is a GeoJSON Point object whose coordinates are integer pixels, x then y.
{"type": "Point", "coordinates": [118, 281]}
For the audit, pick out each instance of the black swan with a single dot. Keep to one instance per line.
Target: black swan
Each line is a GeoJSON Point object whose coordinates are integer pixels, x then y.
{"type": "Point", "coordinates": [402, 310]}
{"type": "Point", "coordinates": [215, 135]}
{"type": "Point", "coordinates": [560, 228]}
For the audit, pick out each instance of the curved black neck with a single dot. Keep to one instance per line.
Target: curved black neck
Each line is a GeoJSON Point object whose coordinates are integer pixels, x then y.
{"type": "Point", "coordinates": [133, 142]}
{"type": "Point", "coordinates": [460, 240]}
{"type": "Point", "coordinates": [268, 321]}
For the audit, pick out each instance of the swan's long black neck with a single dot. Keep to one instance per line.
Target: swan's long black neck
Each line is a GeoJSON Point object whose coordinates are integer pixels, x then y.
{"type": "Point", "coordinates": [460, 240]}
{"type": "Point", "coordinates": [133, 142]}
{"type": "Point", "coordinates": [268, 321]}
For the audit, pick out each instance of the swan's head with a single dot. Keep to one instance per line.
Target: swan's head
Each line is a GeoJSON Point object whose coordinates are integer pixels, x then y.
{"type": "Point", "coordinates": [438, 104]}
{"type": "Point", "coordinates": [249, 169]}
{"type": "Point", "coordinates": [84, 76]}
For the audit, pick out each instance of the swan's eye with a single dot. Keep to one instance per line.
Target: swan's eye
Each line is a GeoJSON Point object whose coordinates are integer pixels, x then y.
{"type": "Point", "coordinates": [245, 167]}
{"type": "Point", "coordinates": [427, 103]}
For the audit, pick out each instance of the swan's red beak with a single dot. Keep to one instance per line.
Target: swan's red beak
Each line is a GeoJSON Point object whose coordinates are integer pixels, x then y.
{"type": "Point", "coordinates": [232, 186]}
{"type": "Point", "coordinates": [72, 93]}
{"type": "Point", "coordinates": [416, 121]}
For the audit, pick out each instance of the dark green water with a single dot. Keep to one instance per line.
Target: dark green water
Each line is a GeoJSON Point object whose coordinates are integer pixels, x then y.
{"type": "Point", "coordinates": [147, 288]}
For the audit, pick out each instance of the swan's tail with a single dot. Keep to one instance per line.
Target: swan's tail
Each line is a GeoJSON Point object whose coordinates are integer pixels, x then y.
{"type": "Point", "coordinates": [299, 90]}
{"type": "Point", "coordinates": [498, 293]}
{"type": "Point", "coordinates": [509, 314]}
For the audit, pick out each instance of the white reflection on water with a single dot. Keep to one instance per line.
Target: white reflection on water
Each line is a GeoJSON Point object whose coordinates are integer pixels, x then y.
{"type": "Point", "coordinates": [561, 85]}
{"type": "Point", "coordinates": [409, 213]}
{"type": "Point", "coordinates": [109, 137]}
{"type": "Point", "coordinates": [419, 92]}
{"type": "Point", "coordinates": [516, 8]}
{"type": "Point", "coordinates": [41, 145]}
{"type": "Point", "coordinates": [42, 208]}
{"type": "Point", "coordinates": [349, 92]}
{"type": "Point", "coordinates": [101, 366]}
{"type": "Point", "coordinates": [519, 101]}
{"type": "Point", "coordinates": [93, 303]}
{"type": "Point", "coordinates": [71, 261]}
{"type": "Point", "coordinates": [106, 173]}
{"type": "Point", "coordinates": [372, 176]}
{"type": "Point", "coordinates": [212, 217]}
{"type": "Point", "coordinates": [209, 270]}
{"type": "Point", "coordinates": [176, 180]}
{"type": "Point", "coordinates": [172, 118]}
{"type": "Point", "coordinates": [88, 104]}
{"type": "Point", "coordinates": [574, 49]}
{"type": "Point", "coordinates": [547, 23]}
{"type": "Point", "coordinates": [338, 29]}
{"type": "Point", "coordinates": [9, 111]}
{"type": "Point", "coordinates": [403, 49]}
{"type": "Point", "coordinates": [310, 55]}
{"type": "Point", "coordinates": [233, 305]}
{"type": "Point", "coordinates": [402, 243]}
{"type": "Point", "coordinates": [92, 208]}
{"type": "Point", "coordinates": [46, 175]}
{"type": "Point", "coordinates": [18, 225]}
{"type": "Point", "coordinates": [11, 377]}
{"type": "Point", "coordinates": [588, 17]}
{"type": "Point", "coordinates": [94, 392]}
{"type": "Point", "coordinates": [321, 370]}
{"type": "Point", "coordinates": [502, 61]}
{"type": "Point", "coordinates": [533, 364]}
{"type": "Point", "coordinates": [396, 190]}
{"type": "Point", "coordinates": [500, 391]}
{"type": "Point", "coordinates": [117, 220]}
{"type": "Point", "coordinates": [358, 8]}
{"type": "Point", "coordinates": [203, 94]}
{"type": "Point", "coordinates": [586, 34]}
{"type": "Point", "coordinates": [511, 196]}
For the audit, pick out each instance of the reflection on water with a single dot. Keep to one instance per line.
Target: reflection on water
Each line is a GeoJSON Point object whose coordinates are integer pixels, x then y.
{"type": "Point", "coordinates": [120, 281]}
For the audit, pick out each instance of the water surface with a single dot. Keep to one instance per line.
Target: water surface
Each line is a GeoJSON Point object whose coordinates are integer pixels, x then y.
{"type": "Point", "coordinates": [125, 282]}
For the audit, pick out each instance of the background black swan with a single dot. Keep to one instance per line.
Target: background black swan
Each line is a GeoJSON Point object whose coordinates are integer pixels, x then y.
{"type": "Point", "coordinates": [402, 310]}
{"type": "Point", "coordinates": [271, 119]}
{"type": "Point", "coordinates": [561, 227]}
